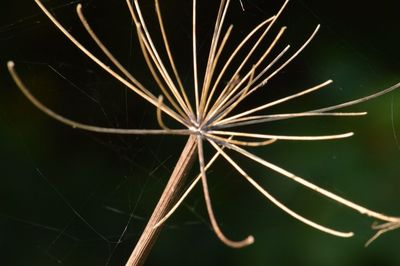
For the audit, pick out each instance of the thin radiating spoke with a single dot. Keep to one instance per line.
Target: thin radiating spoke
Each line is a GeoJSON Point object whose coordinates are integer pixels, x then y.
{"type": "Point", "coordinates": [150, 64]}
{"type": "Point", "coordinates": [258, 42]}
{"type": "Point", "coordinates": [278, 203]}
{"type": "Point", "coordinates": [105, 50]}
{"type": "Point", "coordinates": [280, 137]}
{"type": "Point", "coordinates": [170, 57]}
{"type": "Point", "coordinates": [82, 126]}
{"type": "Point", "coordinates": [221, 112]}
{"type": "Point", "coordinates": [120, 67]}
{"type": "Point", "coordinates": [234, 101]}
{"type": "Point", "coordinates": [239, 142]}
{"type": "Point", "coordinates": [265, 80]}
{"type": "Point", "coordinates": [262, 83]}
{"type": "Point", "coordinates": [218, 104]}
{"type": "Point", "coordinates": [217, 56]}
{"type": "Point", "coordinates": [306, 43]}
{"type": "Point", "coordinates": [144, 35]}
{"type": "Point", "coordinates": [234, 244]}
{"type": "Point", "coordinates": [232, 56]}
{"type": "Point", "coordinates": [251, 120]}
{"type": "Point", "coordinates": [194, 51]}
{"type": "Point", "coordinates": [359, 100]}
{"type": "Point", "coordinates": [270, 104]}
{"type": "Point", "coordinates": [148, 96]}
{"type": "Point", "coordinates": [312, 186]}
{"type": "Point", "coordinates": [211, 63]}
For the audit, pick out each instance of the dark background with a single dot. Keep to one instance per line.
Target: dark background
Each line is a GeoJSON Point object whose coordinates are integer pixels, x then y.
{"type": "Point", "coordinates": [68, 197]}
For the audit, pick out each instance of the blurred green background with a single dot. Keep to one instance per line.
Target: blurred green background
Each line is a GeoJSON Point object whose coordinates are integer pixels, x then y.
{"type": "Point", "coordinates": [69, 197]}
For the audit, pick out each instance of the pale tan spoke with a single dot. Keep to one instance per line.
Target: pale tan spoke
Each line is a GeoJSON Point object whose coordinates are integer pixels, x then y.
{"type": "Point", "coordinates": [234, 244]}
{"type": "Point", "coordinates": [211, 62]}
{"type": "Point", "coordinates": [105, 49]}
{"type": "Point", "coordinates": [359, 100]}
{"type": "Point", "coordinates": [263, 82]}
{"type": "Point", "coordinates": [206, 97]}
{"type": "Point", "coordinates": [268, 67]}
{"type": "Point", "coordinates": [229, 61]}
{"type": "Point", "coordinates": [170, 57]}
{"type": "Point", "coordinates": [313, 187]}
{"type": "Point", "coordinates": [255, 46]}
{"type": "Point", "coordinates": [153, 72]}
{"type": "Point", "coordinates": [82, 126]}
{"type": "Point", "coordinates": [221, 110]}
{"type": "Point", "coordinates": [147, 41]}
{"type": "Point", "coordinates": [239, 142]}
{"type": "Point", "coordinates": [280, 137]}
{"type": "Point", "coordinates": [217, 106]}
{"type": "Point", "coordinates": [229, 98]}
{"type": "Point", "coordinates": [276, 202]}
{"type": "Point", "coordinates": [270, 104]}
{"type": "Point", "coordinates": [123, 69]}
{"type": "Point", "coordinates": [194, 51]}
{"type": "Point", "coordinates": [251, 120]}
{"type": "Point", "coordinates": [307, 42]}
{"type": "Point", "coordinates": [239, 97]}
{"type": "Point", "coordinates": [147, 95]}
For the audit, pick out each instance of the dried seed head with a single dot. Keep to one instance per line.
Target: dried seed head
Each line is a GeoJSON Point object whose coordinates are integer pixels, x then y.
{"type": "Point", "coordinates": [208, 116]}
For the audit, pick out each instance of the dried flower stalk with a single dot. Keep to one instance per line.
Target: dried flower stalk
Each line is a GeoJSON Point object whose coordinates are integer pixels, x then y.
{"type": "Point", "coordinates": [210, 117]}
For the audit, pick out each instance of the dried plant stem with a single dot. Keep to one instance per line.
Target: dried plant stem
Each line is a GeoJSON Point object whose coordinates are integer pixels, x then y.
{"type": "Point", "coordinates": [166, 202]}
